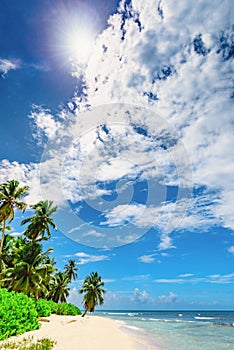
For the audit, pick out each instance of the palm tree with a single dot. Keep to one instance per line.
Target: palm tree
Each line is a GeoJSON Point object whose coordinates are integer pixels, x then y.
{"type": "Point", "coordinates": [30, 271]}
{"type": "Point", "coordinates": [93, 292]}
{"type": "Point", "coordinates": [10, 248]}
{"type": "Point", "coordinates": [10, 199]}
{"type": "Point", "coordinates": [40, 222]}
{"type": "Point", "coordinates": [59, 287]}
{"type": "Point", "coordinates": [71, 270]}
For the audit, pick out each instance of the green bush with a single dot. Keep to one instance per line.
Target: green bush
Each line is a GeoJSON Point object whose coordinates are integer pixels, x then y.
{"type": "Point", "coordinates": [68, 309]}
{"type": "Point", "coordinates": [53, 306]}
{"type": "Point", "coordinates": [17, 314]}
{"type": "Point", "coordinates": [43, 308]}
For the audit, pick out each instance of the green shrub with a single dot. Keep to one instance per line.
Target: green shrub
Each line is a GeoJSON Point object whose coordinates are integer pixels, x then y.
{"type": "Point", "coordinates": [17, 314]}
{"type": "Point", "coordinates": [43, 308]}
{"type": "Point", "coordinates": [68, 309]}
{"type": "Point", "coordinates": [53, 306]}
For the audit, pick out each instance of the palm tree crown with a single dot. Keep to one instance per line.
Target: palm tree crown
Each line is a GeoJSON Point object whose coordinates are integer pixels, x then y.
{"type": "Point", "coordinates": [10, 199]}
{"type": "Point", "coordinates": [40, 222]}
{"type": "Point", "coordinates": [59, 287]}
{"type": "Point", "coordinates": [30, 272]}
{"type": "Point", "coordinates": [71, 270]}
{"type": "Point", "coordinates": [93, 292]}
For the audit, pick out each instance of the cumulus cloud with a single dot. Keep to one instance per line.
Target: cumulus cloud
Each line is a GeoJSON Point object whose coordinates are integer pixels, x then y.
{"type": "Point", "coordinates": [74, 297]}
{"type": "Point", "coordinates": [154, 89]}
{"type": "Point", "coordinates": [26, 174]}
{"type": "Point", "coordinates": [168, 299]}
{"type": "Point", "coordinates": [141, 297]}
{"type": "Point", "coordinates": [44, 124]}
{"type": "Point", "coordinates": [177, 63]}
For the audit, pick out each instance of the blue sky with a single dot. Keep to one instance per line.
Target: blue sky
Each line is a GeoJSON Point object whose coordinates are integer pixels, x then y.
{"type": "Point", "coordinates": [121, 113]}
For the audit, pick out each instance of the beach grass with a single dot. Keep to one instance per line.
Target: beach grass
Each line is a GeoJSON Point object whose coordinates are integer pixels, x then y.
{"type": "Point", "coordinates": [29, 344]}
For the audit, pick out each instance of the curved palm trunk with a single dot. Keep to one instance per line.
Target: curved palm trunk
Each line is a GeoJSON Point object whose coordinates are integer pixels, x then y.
{"type": "Point", "coordinates": [3, 237]}
{"type": "Point", "coordinates": [11, 283]}
{"type": "Point", "coordinates": [84, 313]}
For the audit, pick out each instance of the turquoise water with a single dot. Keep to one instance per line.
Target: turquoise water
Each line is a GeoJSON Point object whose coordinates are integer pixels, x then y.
{"type": "Point", "coordinates": [182, 330]}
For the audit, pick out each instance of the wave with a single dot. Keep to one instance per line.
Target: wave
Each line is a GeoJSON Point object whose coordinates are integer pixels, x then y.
{"type": "Point", "coordinates": [133, 314]}
{"type": "Point", "coordinates": [116, 313]}
{"type": "Point", "coordinates": [205, 318]}
{"type": "Point", "coordinates": [132, 327]}
{"type": "Point", "coordinates": [224, 324]}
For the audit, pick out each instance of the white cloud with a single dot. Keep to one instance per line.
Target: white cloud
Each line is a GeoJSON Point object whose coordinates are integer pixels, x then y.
{"type": "Point", "coordinates": [136, 277]}
{"type": "Point", "coordinates": [171, 280]}
{"type": "Point", "coordinates": [216, 278]}
{"type": "Point", "coordinates": [168, 299]}
{"type": "Point", "coordinates": [186, 275]}
{"type": "Point", "coordinates": [93, 233]}
{"type": "Point", "coordinates": [147, 259]}
{"type": "Point", "coordinates": [141, 297]}
{"type": "Point", "coordinates": [15, 234]}
{"type": "Point", "coordinates": [44, 123]}
{"type": "Point", "coordinates": [26, 174]}
{"type": "Point", "coordinates": [231, 249]}
{"type": "Point", "coordinates": [173, 71]}
{"type": "Point", "coordinates": [192, 87]}
{"type": "Point", "coordinates": [7, 65]}
{"type": "Point", "coordinates": [88, 258]}
{"type": "Point", "coordinates": [108, 280]}
{"type": "Point", "coordinates": [74, 297]}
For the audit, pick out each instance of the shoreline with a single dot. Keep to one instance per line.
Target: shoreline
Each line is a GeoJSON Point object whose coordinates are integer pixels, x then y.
{"type": "Point", "coordinates": [89, 333]}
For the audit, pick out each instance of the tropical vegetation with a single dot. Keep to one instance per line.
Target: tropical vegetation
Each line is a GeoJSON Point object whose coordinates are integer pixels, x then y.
{"type": "Point", "coordinates": [24, 265]}
{"type": "Point", "coordinates": [10, 199]}
{"type": "Point", "coordinates": [93, 292]}
{"type": "Point", "coordinates": [30, 284]}
{"type": "Point", "coordinates": [17, 314]}
{"type": "Point", "coordinates": [39, 224]}
{"type": "Point", "coordinates": [30, 344]}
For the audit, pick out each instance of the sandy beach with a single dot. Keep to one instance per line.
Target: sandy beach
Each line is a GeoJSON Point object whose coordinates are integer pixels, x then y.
{"type": "Point", "coordinates": [88, 333]}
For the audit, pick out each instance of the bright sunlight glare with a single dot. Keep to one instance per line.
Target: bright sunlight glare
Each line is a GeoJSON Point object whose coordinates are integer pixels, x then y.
{"type": "Point", "coordinates": [78, 43]}
{"type": "Point", "coordinates": [73, 36]}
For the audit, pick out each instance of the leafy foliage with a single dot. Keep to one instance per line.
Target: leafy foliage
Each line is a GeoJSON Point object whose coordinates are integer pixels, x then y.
{"type": "Point", "coordinates": [30, 271]}
{"type": "Point", "coordinates": [39, 224]}
{"type": "Point", "coordinates": [43, 308]}
{"type": "Point", "coordinates": [47, 307]}
{"type": "Point", "coordinates": [17, 314]}
{"type": "Point", "coordinates": [59, 287]}
{"type": "Point", "coordinates": [68, 309]}
{"type": "Point", "coordinates": [53, 306]}
{"type": "Point", "coordinates": [93, 292]}
{"type": "Point", "coordinates": [71, 270]}
{"type": "Point", "coordinates": [10, 195]}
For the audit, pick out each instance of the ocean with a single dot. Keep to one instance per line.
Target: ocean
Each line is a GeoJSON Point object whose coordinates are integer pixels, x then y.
{"type": "Point", "coordinates": [179, 330]}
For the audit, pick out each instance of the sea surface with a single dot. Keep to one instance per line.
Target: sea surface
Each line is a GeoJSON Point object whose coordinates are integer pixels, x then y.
{"type": "Point", "coordinates": [180, 330]}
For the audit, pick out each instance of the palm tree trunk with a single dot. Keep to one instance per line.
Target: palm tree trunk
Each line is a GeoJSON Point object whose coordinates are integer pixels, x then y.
{"type": "Point", "coordinates": [11, 283]}
{"type": "Point", "coordinates": [84, 313]}
{"type": "Point", "coordinates": [3, 236]}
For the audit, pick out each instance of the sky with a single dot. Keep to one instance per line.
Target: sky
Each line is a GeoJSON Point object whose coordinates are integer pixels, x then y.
{"type": "Point", "coordinates": [121, 112]}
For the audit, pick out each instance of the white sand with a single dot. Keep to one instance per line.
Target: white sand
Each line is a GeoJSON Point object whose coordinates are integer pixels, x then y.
{"type": "Point", "coordinates": [85, 333]}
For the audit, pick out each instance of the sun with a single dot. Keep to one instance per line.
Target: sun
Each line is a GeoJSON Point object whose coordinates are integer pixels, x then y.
{"type": "Point", "coordinates": [78, 42]}
{"type": "Point", "coordinates": [73, 36]}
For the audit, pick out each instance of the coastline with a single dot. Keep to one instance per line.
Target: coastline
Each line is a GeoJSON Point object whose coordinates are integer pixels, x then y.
{"type": "Point", "coordinates": [89, 333]}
